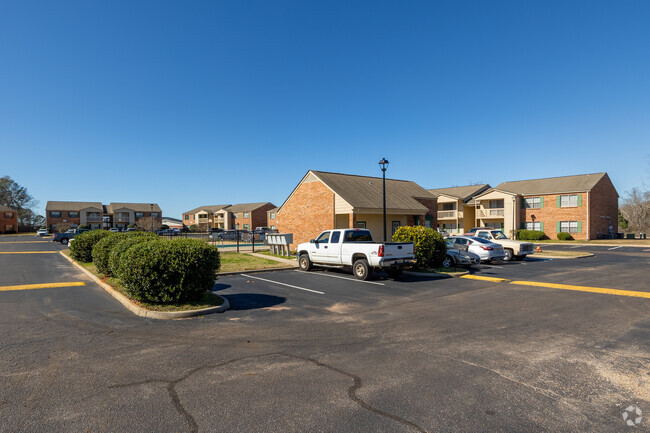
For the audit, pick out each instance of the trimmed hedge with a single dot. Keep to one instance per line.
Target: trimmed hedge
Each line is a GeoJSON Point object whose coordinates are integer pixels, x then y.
{"type": "Point", "coordinates": [164, 271]}
{"type": "Point", "coordinates": [82, 247]}
{"type": "Point", "coordinates": [564, 236]}
{"type": "Point", "coordinates": [530, 235]}
{"type": "Point", "coordinates": [430, 246]}
{"type": "Point", "coordinates": [124, 243]}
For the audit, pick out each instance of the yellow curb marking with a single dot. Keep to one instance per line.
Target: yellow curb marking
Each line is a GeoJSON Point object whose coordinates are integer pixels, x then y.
{"type": "Point", "coordinates": [41, 286]}
{"type": "Point", "coordinates": [30, 252]}
{"type": "Point", "coordinates": [476, 277]}
{"type": "Point", "coordinates": [585, 289]}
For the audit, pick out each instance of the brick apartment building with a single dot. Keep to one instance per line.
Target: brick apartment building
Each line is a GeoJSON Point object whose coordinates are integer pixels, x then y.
{"type": "Point", "coordinates": [586, 206]}
{"type": "Point", "coordinates": [244, 216]}
{"type": "Point", "coordinates": [323, 201]}
{"type": "Point", "coordinates": [98, 216]}
{"type": "Point", "coordinates": [8, 220]}
{"type": "Point", "coordinates": [272, 218]}
{"type": "Point", "coordinates": [456, 210]}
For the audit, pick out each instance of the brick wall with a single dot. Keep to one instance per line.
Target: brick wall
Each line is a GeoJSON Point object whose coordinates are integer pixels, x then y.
{"type": "Point", "coordinates": [8, 221]}
{"type": "Point", "coordinates": [270, 222]}
{"type": "Point", "coordinates": [53, 223]}
{"type": "Point", "coordinates": [432, 205]}
{"type": "Point", "coordinates": [259, 217]}
{"type": "Point", "coordinates": [309, 211]}
{"type": "Point", "coordinates": [603, 210]}
{"type": "Point", "coordinates": [550, 214]}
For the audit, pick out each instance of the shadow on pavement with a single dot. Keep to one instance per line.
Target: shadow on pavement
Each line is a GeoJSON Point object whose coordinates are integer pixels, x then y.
{"type": "Point", "coordinates": [252, 301]}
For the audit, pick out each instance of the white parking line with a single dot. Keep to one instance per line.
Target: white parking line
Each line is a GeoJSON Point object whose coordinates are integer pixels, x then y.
{"type": "Point", "coordinates": [343, 278]}
{"type": "Point", "coordinates": [282, 284]}
{"type": "Point", "coordinates": [577, 246]}
{"type": "Point", "coordinates": [615, 248]}
{"type": "Point", "coordinates": [492, 266]}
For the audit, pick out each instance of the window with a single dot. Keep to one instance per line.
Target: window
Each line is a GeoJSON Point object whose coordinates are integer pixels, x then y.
{"type": "Point", "coordinates": [202, 217]}
{"type": "Point", "coordinates": [396, 225]}
{"type": "Point", "coordinates": [569, 200]}
{"type": "Point", "coordinates": [155, 215]}
{"type": "Point", "coordinates": [357, 236]}
{"type": "Point", "coordinates": [247, 226]}
{"type": "Point", "coordinates": [246, 215]}
{"type": "Point", "coordinates": [534, 202]}
{"type": "Point", "coordinates": [9, 227]}
{"type": "Point", "coordinates": [361, 224]}
{"type": "Point", "coordinates": [139, 214]}
{"type": "Point", "coordinates": [448, 206]}
{"type": "Point", "coordinates": [235, 215]}
{"type": "Point", "coordinates": [335, 238]}
{"type": "Point", "coordinates": [73, 214]}
{"type": "Point", "coordinates": [9, 214]}
{"type": "Point", "coordinates": [272, 215]}
{"type": "Point", "coordinates": [186, 217]}
{"type": "Point", "coordinates": [273, 228]}
{"type": "Point", "coordinates": [55, 214]}
{"type": "Point", "coordinates": [534, 226]}
{"type": "Point", "coordinates": [570, 226]}
{"type": "Point", "coordinates": [324, 237]}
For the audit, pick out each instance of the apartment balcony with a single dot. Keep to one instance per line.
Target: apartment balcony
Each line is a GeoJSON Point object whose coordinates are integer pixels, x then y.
{"type": "Point", "coordinates": [94, 219]}
{"type": "Point", "coordinates": [121, 220]}
{"type": "Point", "coordinates": [449, 214]}
{"type": "Point", "coordinates": [490, 213]}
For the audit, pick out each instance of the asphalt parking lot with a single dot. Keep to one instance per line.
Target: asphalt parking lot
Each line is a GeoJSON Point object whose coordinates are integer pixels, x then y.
{"type": "Point", "coordinates": [321, 351]}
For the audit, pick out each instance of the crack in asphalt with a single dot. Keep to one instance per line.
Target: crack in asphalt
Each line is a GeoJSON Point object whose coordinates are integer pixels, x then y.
{"type": "Point", "coordinates": [194, 428]}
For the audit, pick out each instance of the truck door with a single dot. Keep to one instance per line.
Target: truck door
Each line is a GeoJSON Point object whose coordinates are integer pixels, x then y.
{"type": "Point", "coordinates": [334, 248]}
{"type": "Point", "coordinates": [321, 248]}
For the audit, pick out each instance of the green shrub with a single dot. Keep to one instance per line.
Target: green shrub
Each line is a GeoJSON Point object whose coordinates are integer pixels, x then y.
{"type": "Point", "coordinates": [82, 247]}
{"type": "Point", "coordinates": [84, 226]}
{"type": "Point", "coordinates": [124, 243]}
{"type": "Point", "coordinates": [430, 247]}
{"type": "Point", "coordinates": [564, 236]}
{"type": "Point", "coordinates": [164, 271]}
{"type": "Point", "coordinates": [102, 250]}
{"type": "Point", "coordinates": [194, 228]}
{"type": "Point", "coordinates": [530, 235]}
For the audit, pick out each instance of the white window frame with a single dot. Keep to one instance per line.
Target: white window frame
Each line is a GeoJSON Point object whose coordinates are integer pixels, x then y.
{"type": "Point", "coordinates": [569, 226]}
{"type": "Point", "coordinates": [534, 226]}
{"type": "Point", "coordinates": [533, 202]}
{"type": "Point", "coordinates": [568, 201]}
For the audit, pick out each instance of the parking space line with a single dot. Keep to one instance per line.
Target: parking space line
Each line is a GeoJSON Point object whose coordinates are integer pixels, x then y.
{"type": "Point", "coordinates": [41, 286]}
{"type": "Point", "coordinates": [492, 279]}
{"type": "Point", "coordinates": [23, 242]}
{"type": "Point", "coordinates": [577, 246]}
{"type": "Point", "coordinates": [343, 278]}
{"type": "Point", "coordinates": [282, 284]}
{"type": "Point", "coordinates": [614, 248]}
{"type": "Point", "coordinates": [29, 252]}
{"type": "Point", "coordinates": [585, 289]}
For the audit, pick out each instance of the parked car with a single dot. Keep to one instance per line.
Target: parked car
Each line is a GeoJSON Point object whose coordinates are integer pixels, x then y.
{"type": "Point", "coordinates": [167, 232]}
{"type": "Point", "coordinates": [457, 255]}
{"type": "Point", "coordinates": [114, 230]}
{"type": "Point", "coordinates": [472, 231]}
{"type": "Point", "coordinates": [485, 249]}
{"type": "Point", "coordinates": [129, 229]}
{"type": "Point", "coordinates": [226, 235]}
{"type": "Point", "coordinates": [64, 238]}
{"type": "Point", "coordinates": [42, 232]}
{"type": "Point", "coordinates": [513, 249]}
{"type": "Point", "coordinates": [355, 248]}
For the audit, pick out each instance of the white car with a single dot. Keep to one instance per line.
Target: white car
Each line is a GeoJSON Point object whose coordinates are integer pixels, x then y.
{"type": "Point", "coordinates": [42, 232]}
{"type": "Point", "coordinates": [485, 249]}
{"type": "Point", "coordinates": [114, 230]}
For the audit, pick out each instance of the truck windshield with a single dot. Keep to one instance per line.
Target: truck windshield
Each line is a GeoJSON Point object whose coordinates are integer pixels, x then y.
{"type": "Point", "coordinates": [357, 236]}
{"type": "Point", "coordinates": [498, 234]}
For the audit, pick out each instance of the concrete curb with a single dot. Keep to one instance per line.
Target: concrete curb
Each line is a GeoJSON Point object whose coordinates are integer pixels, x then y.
{"type": "Point", "coordinates": [142, 312]}
{"type": "Point", "coordinates": [591, 245]}
{"type": "Point", "coordinates": [435, 274]}
{"type": "Point", "coordinates": [583, 256]}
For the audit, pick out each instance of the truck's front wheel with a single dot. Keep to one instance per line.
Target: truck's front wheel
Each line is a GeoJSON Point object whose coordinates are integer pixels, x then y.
{"type": "Point", "coordinates": [304, 262]}
{"type": "Point", "coordinates": [64, 241]}
{"type": "Point", "coordinates": [509, 254]}
{"type": "Point", "coordinates": [361, 269]}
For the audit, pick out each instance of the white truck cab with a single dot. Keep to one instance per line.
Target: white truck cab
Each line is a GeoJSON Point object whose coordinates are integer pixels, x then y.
{"type": "Point", "coordinates": [355, 248]}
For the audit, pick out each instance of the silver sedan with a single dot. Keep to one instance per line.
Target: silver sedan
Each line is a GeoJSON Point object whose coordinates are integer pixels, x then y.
{"type": "Point", "coordinates": [485, 249]}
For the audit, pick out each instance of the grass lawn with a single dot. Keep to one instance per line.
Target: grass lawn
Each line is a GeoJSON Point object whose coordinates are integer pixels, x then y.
{"type": "Point", "coordinates": [238, 262]}
{"type": "Point", "coordinates": [208, 300]}
{"type": "Point", "coordinates": [268, 253]}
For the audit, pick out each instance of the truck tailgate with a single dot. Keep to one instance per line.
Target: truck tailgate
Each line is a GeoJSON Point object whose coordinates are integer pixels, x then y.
{"type": "Point", "coordinates": [398, 250]}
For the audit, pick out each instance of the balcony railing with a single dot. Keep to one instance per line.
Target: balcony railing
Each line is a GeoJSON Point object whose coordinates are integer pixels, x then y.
{"type": "Point", "coordinates": [442, 214]}
{"type": "Point", "coordinates": [490, 213]}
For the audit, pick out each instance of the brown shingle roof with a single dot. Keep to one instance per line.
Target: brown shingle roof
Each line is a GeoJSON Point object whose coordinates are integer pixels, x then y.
{"type": "Point", "coordinates": [136, 207]}
{"type": "Point", "coordinates": [247, 207]}
{"type": "Point", "coordinates": [210, 208]}
{"type": "Point", "coordinates": [552, 185]}
{"type": "Point", "coordinates": [365, 192]}
{"type": "Point", "coordinates": [4, 208]}
{"type": "Point", "coordinates": [462, 192]}
{"type": "Point", "coordinates": [72, 205]}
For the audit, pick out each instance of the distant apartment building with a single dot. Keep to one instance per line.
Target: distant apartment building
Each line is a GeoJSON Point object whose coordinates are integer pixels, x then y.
{"type": "Point", "coordinates": [99, 216]}
{"type": "Point", "coordinates": [8, 220]}
{"type": "Point", "coordinates": [456, 211]}
{"type": "Point", "coordinates": [244, 216]}
{"type": "Point", "coordinates": [272, 218]}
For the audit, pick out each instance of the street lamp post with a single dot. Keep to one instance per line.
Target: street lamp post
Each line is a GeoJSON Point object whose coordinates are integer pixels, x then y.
{"type": "Point", "coordinates": [151, 216]}
{"type": "Point", "coordinates": [383, 164]}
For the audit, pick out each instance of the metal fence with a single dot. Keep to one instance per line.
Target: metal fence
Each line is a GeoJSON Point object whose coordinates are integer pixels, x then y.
{"type": "Point", "coordinates": [228, 240]}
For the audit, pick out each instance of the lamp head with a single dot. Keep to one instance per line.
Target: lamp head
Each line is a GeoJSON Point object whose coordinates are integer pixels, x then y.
{"type": "Point", "coordinates": [383, 164]}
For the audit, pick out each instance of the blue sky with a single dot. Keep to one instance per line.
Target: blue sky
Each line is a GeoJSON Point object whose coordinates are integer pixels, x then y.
{"type": "Point", "coordinates": [194, 103]}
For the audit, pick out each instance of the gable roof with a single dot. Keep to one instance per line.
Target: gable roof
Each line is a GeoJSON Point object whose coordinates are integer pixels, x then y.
{"type": "Point", "coordinates": [247, 207]}
{"type": "Point", "coordinates": [72, 205]}
{"type": "Point", "coordinates": [211, 208]}
{"type": "Point", "coordinates": [4, 208]}
{"type": "Point", "coordinates": [136, 207]}
{"type": "Point", "coordinates": [366, 192]}
{"type": "Point", "coordinates": [552, 185]}
{"type": "Point", "coordinates": [462, 192]}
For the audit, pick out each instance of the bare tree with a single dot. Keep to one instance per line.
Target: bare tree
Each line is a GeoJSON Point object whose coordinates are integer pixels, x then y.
{"type": "Point", "coordinates": [16, 197]}
{"type": "Point", "coordinates": [636, 209]}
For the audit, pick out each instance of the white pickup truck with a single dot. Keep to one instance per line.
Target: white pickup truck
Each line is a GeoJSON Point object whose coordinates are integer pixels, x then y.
{"type": "Point", "coordinates": [517, 250]}
{"type": "Point", "coordinates": [355, 248]}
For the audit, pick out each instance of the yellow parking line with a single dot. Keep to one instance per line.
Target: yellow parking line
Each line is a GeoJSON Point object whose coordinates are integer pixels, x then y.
{"type": "Point", "coordinates": [41, 286]}
{"type": "Point", "coordinates": [476, 277]}
{"type": "Point", "coordinates": [585, 289]}
{"type": "Point", "coordinates": [28, 252]}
